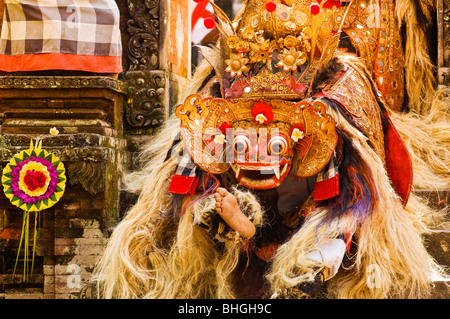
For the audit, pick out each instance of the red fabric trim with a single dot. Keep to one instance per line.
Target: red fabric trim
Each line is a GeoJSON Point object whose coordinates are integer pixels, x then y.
{"type": "Point", "coordinates": [398, 162]}
{"type": "Point", "coordinates": [326, 189]}
{"type": "Point", "coordinates": [193, 187]}
{"type": "Point", "coordinates": [184, 185]}
{"type": "Point", "coordinates": [60, 61]}
{"type": "Point", "coordinates": [348, 240]}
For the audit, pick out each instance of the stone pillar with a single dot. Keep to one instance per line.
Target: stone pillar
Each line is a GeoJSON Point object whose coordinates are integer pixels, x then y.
{"type": "Point", "coordinates": [443, 22]}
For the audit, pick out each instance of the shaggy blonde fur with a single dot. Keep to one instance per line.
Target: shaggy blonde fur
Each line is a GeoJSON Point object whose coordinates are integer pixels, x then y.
{"type": "Point", "coordinates": [420, 80]}
{"type": "Point", "coordinates": [153, 257]}
{"type": "Point", "coordinates": [427, 138]}
{"type": "Point", "coordinates": [426, 127]}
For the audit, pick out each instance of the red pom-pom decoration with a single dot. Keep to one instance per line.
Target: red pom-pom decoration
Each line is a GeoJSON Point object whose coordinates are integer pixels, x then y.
{"type": "Point", "coordinates": [223, 128]}
{"type": "Point", "coordinates": [209, 23]}
{"type": "Point", "coordinates": [271, 6]}
{"type": "Point", "coordinates": [264, 110]}
{"type": "Point", "coordinates": [34, 180]}
{"type": "Point", "coordinates": [314, 8]}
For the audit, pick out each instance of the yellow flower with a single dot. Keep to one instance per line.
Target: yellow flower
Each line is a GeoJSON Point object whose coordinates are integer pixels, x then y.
{"type": "Point", "coordinates": [248, 33]}
{"type": "Point", "coordinates": [54, 131]}
{"type": "Point", "coordinates": [297, 134]}
{"type": "Point", "coordinates": [290, 41]}
{"type": "Point", "coordinates": [219, 139]}
{"type": "Point", "coordinates": [236, 65]}
{"type": "Point", "coordinates": [290, 59]}
{"type": "Point", "coordinates": [260, 56]}
{"type": "Point", "coordinates": [260, 52]}
{"type": "Point", "coordinates": [232, 41]}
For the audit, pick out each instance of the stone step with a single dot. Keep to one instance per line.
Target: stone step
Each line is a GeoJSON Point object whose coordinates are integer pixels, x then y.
{"type": "Point", "coordinates": [441, 289]}
{"type": "Point", "coordinates": [438, 245]}
{"type": "Point", "coordinates": [438, 241]}
{"type": "Point", "coordinates": [437, 199]}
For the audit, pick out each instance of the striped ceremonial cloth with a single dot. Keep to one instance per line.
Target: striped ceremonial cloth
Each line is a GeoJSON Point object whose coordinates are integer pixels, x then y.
{"type": "Point", "coordinates": [81, 35]}
{"type": "Point", "coordinates": [327, 182]}
{"type": "Point", "coordinates": [186, 166]}
{"type": "Point", "coordinates": [184, 180]}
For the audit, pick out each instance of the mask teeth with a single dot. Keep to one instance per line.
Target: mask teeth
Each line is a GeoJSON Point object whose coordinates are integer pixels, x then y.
{"type": "Point", "coordinates": [276, 170]}
{"type": "Point", "coordinates": [284, 169]}
{"type": "Point", "coordinates": [238, 169]}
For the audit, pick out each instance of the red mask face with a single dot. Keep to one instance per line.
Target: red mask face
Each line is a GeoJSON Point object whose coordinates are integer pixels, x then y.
{"type": "Point", "coordinates": [263, 139]}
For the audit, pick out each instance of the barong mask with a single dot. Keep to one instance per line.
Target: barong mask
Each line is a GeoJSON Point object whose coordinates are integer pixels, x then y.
{"type": "Point", "coordinates": [261, 140]}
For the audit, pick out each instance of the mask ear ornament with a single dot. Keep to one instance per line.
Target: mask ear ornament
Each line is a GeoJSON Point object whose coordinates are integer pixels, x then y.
{"type": "Point", "coordinates": [315, 139]}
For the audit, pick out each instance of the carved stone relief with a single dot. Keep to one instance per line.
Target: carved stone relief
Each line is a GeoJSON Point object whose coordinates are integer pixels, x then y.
{"type": "Point", "coordinates": [145, 106]}
{"type": "Point", "coordinates": [146, 95]}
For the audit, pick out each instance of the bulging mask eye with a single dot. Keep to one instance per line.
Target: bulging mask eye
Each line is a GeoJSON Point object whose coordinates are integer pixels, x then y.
{"type": "Point", "coordinates": [277, 145]}
{"type": "Point", "coordinates": [241, 143]}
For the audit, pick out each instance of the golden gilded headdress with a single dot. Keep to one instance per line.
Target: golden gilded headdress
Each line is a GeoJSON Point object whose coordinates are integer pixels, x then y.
{"type": "Point", "coordinates": [277, 46]}
{"type": "Point", "coordinates": [265, 66]}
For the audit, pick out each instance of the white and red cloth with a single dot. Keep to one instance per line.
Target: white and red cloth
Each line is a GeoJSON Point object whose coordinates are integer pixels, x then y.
{"type": "Point", "coordinates": [200, 11]}
{"type": "Point", "coordinates": [81, 35]}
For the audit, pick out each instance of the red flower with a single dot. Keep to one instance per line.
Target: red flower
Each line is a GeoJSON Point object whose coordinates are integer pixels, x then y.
{"type": "Point", "coordinates": [264, 110]}
{"type": "Point", "coordinates": [34, 180]}
{"type": "Point", "coordinates": [271, 6]}
{"type": "Point", "coordinates": [223, 128]}
{"type": "Point", "coordinates": [314, 8]}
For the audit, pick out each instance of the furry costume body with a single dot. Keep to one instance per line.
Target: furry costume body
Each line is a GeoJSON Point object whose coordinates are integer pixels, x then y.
{"type": "Point", "coordinates": [161, 248]}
